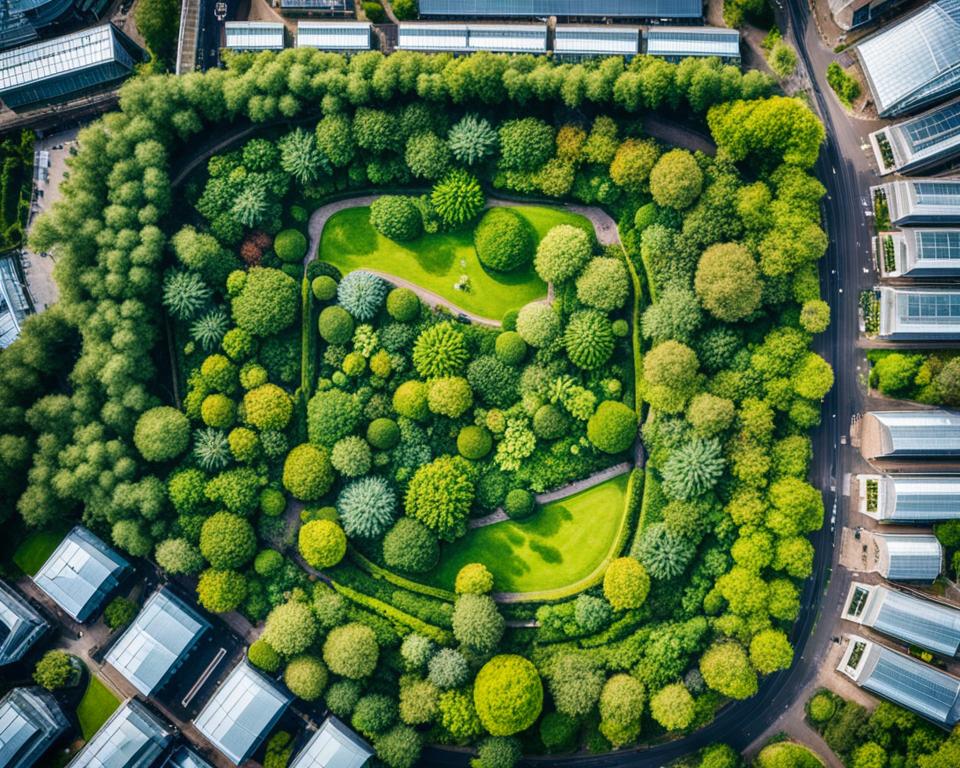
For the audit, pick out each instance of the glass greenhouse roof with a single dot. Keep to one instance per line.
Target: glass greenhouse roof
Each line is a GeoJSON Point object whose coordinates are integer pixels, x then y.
{"type": "Point", "coordinates": [254, 35]}
{"type": "Point", "coordinates": [185, 757]}
{"type": "Point", "coordinates": [526, 38]}
{"type": "Point", "coordinates": [133, 737]}
{"type": "Point", "coordinates": [938, 245]}
{"type": "Point", "coordinates": [919, 433]}
{"type": "Point", "coordinates": [916, 61]}
{"type": "Point", "coordinates": [914, 621]}
{"type": "Point", "coordinates": [923, 499]}
{"type": "Point", "coordinates": [912, 684]}
{"type": "Point", "coordinates": [333, 35]}
{"type": "Point", "coordinates": [927, 139]}
{"type": "Point", "coordinates": [574, 39]}
{"type": "Point", "coordinates": [241, 712]}
{"type": "Point", "coordinates": [333, 746]}
{"type": "Point", "coordinates": [20, 626]}
{"type": "Point", "coordinates": [910, 557]}
{"type": "Point", "coordinates": [152, 647]}
{"type": "Point", "coordinates": [58, 56]}
{"type": "Point", "coordinates": [693, 41]}
{"type": "Point", "coordinates": [30, 721]}
{"type": "Point", "coordinates": [660, 9]}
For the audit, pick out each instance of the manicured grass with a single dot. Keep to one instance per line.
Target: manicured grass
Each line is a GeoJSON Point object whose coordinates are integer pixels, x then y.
{"type": "Point", "coordinates": [97, 704]}
{"type": "Point", "coordinates": [562, 543]}
{"type": "Point", "coordinates": [436, 262]}
{"type": "Point", "coordinates": [36, 548]}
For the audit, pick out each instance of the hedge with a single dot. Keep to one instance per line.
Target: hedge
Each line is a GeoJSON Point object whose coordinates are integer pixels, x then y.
{"type": "Point", "coordinates": [382, 573]}
{"type": "Point", "coordinates": [395, 615]}
{"type": "Point", "coordinates": [308, 340]}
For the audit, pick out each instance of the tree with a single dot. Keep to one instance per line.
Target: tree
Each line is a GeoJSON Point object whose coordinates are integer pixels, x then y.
{"type": "Point", "coordinates": [335, 325]}
{"type": "Point", "coordinates": [178, 556]}
{"type": "Point", "coordinates": [448, 669]}
{"type": "Point", "coordinates": [419, 700]}
{"type": "Point", "coordinates": [399, 747]}
{"type": "Point", "coordinates": [472, 139]}
{"type": "Point", "coordinates": [728, 282]}
{"type": "Point", "coordinates": [770, 651]}
{"type": "Point", "coordinates": [671, 377]}
{"type": "Point", "coordinates": [439, 495]}
{"type": "Point", "coordinates": [473, 579]}
{"type": "Point", "coordinates": [396, 217]}
{"type": "Point", "coordinates": [777, 127]}
{"type": "Point", "coordinates": [477, 623]}
{"type": "Point", "coordinates": [474, 442]}
{"type": "Point", "coordinates": [561, 254]}
{"type": "Point", "coordinates": [676, 179]}
{"type": "Point", "coordinates": [782, 59]}
{"type": "Point", "coordinates": [664, 554]}
{"type": "Point", "coordinates": [694, 468]}
{"type": "Point", "coordinates": [726, 669]}
{"type": "Point", "coordinates": [710, 415]}
{"type": "Point", "coordinates": [55, 670]}
{"type": "Point", "coordinates": [895, 373]}
{"type": "Point", "coordinates": [632, 164]}
{"type": "Point", "coordinates": [813, 377]}
{"type": "Point", "coordinates": [786, 754]}
{"type": "Point", "coordinates": [458, 198]}
{"type": "Point", "coordinates": [158, 22]}
{"type": "Point", "coordinates": [162, 433]}
{"type": "Point", "coordinates": [410, 546]}
{"type": "Point", "coordinates": [221, 591]}
{"type": "Point", "coordinates": [267, 303]}
{"type": "Point", "coordinates": [362, 294]}
{"type": "Point", "coordinates": [604, 284]}
{"type": "Point", "coordinates": [185, 294]}
{"type": "Point", "coordinates": [373, 714]}
{"type": "Point", "coordinates": [440, 350]}
{"type": "Point", "coordinates": [674, 315]}
{"type": "Point", "coordinates": [322, 543]}
{"type": "Point", "coordinates": [300, 157]}
{"type": "Point", "coordinates": [621, 709]}
{"type": "Point", "coordinates": [626, 583]}
{"type": "Point", "coordinates": [307, 472]}
{"type": "Point", "coordinates": [525, 144]}
{"type": "Point", "coordinates": [261, 655]}
{"type": "Point", "coordinates": [508, 695]}
{"type": "Point", "coordinates": [427, 156]}
{"type": "Point", "coordinates": [351, 456]}
{"type": "Point", "coordinates": [290, 628]}
{"type": "Point", "coordinates": [815, 316]}
{"type": "Point", "coordinates": [367, 507]}
{"type": "Point", "coordinates": [351, 651]}
{"type": "Point", "coordinates": [588, 339]}
{"type": "Point", "coordinates": [538, 324]}
{"type": "Point", "coordinates": [673, 707]}
{"type": "Point", "coordinates": [449, 396]}
{"type": "Point", "coordinates": [290, 245]}
{"type": "Point", "coordinates": [575, 683]}
{"type": "Point", "coordinates": [497, 752]}
{"type": "Point", "coordinates": [504, 240]}
{"type": "Point", "coordinates": [267, 407]}
{"type": "Point", "coordinates": [306, 677]}
{"type": "Point", "coordinates": [227, 541]}
{"type": "Point", "coordinates": [591, 613]}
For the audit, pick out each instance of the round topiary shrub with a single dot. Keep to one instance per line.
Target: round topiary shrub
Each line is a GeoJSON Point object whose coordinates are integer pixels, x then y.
{"type": "Point", "coordinates": [474, 442]}
{"type": "Point", "coordinates": [439, 495]}
{"type": "Point", "coordinates": [351, 456]}
{"type": "Point", "coordinates": [351, 651]}
{"type": "Point", "coordinates": [161, 433]}
{"type": "Point", "coordinates": [519, 504]}
{"type": "Point", "coordinates": [410, 546]}
{"type": "Point", "coordinates": [267, 303]}
{"type": "Point", "coordinates": [267, 407]}
{"type": "Point", "coordinates": [410, 400]}
{"type": "Point", "coordinates": [604, 284]}
{"type": "Point", "coordinates": [821, 708]}
{"type": "Point", "coordinates": [448, 669]}
{"type": "Point", "coordinates": [449, 396]}
{"type": "Point", "coordinates": [290, 245]}
{"type": "Point", "coordinates": [508, 694]}
{"type": "Point", "coordinates": [306, 677]}
{"type": "Point", "coordinates": [403, 305]}
{"type": "Point", "coordinates": [362, 294]}
{"type": "Point", "coordinates": [227, 540]}
{"type": "Point", "coordinates": [676, 179]}
{"type": "Point", "coordinates": [252, 375]}
{"type": "Point", "coordinates": [383, 433]}
{"type": "Point", "coordinates": [324, 288]}
{"type": "Point", "coordinates": [537, 324]}
{"type": "Point", "coordinates": [504, 240]}
{"type": "Point", "coordinates": [396, 217]}
{"type": "Point", "coordinates": [562, 253]}
{"type": "Point", "coordinates": [550, 422]}
{"type": "Point", "coordinates": [307, 472]}
{"type": "Point", "coordinates": [440, 350]}
{"type": "Point", "coordinates": [217, 411]}
{"type": "Point", "coordinates": [335, 325]}
{"type": "Point", "coordinates": [510, 348]}
{"type": "Point", "coordinates": [613, 427]}
{"type": "Point", "coordinates": [322, 543]}
{"type": "Point", "coordinates": [267, 563]}
{"type": "Point", "coordinates": [457, 198]}
{"type": "Point", "coordinates": [367, 507]}
{"type": "Point", "coordinates": [473, 579]}
{"type": "Point", "coordinates": [272, 502]}
{"type": "Point", "coordinates": [588, 339]}
{"type": "Point", "coordinates": [261, 655]}
{"type": "Point", "coordinates": [290, 628]}
{"type": "Point", "coordinates": [626, 583]}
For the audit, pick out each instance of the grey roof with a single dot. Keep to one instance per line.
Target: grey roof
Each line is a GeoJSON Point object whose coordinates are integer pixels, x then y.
{"type": "Point", "coordinates": [912, 684]}
{"type": "Point", "coordinates": [648, 9]}
{"type": "Point", "coordinates": [185, 757]}
{"type": "Point", "coordinates": [81, 573]}
{"type": "Point", "coordinates": [20, 626]}
{"type": "Point", "coordinates": [241, 713]}
{"type": "Point", "coordinates": [507, 38]}
{"type": "Point", "coordinates": [133, 737]}
{"type": "Point", "coordinates": [30, 721]}
{"type": "Point", "coordinates": [680, 42]}
{"type": "Point", "coordinates": [919, 434]}
{"type": "Point", "coordinates": [913, 620]}
{"type": "Point", "coordinates": [320, 6]}
{"type": "Point", "coordinates": [919, 313]}
{"type": "Point", "coordinates": [334, 35]}
{"type": "Point", "coordinates": [14, 306]}
{"type": "Point", "coordinates": [254, 35]}
{"type": "Point", "coordinates": [920, 498]}
{"type": "Point", "coordinates": [923, 201]}
{"type": "Point", "coordinates": [157, 642]}
{"type": "Point", "coordinates": [926, 140]}
{"type": "Point", "coordinates": [333, 746]}
{"type": "Point", "coordinates": [575, 39]}
{"type": "Point", "coordinates": [926, 252]}
{"type": "Point", "coordinates": [910, 557]}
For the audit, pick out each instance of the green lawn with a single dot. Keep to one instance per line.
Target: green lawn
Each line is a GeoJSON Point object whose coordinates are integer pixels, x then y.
{"type": "Point", "coordinates": [435, 262]}
{"type": "Point", "coordinates": [562, 543]}
{"type": "Point", "coordinates": [97, 704]}
{"type": "Point", "coordinates": [36, 548]}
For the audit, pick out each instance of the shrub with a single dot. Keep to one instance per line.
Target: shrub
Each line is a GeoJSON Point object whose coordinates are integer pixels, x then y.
{"type": "Point", "coordinates": [410, 546]}
{"type": "Point", "coordinates": [351, 456]}
{"type": "Point", "coordinates": [217, 411]}
{"type": "Point", "coordinates": [843, 83]}
{"type": "Point", "coordinates": [351, 651]}
{"type": "Point", "coordinates": [55, 670]}
{"type": "Point", "coordinates": [227, 541]}
{"type": "Point", "coordinates": [219, 373]}
{"type": "Point", "coordinates": [410, 400]}
{"type": "Point", "coordinates": [538, 324]}
{"type": "Point", "coordinates": [510, 348]}
{"type": "Point", "coordinates": [335, 325]}
{"type": "Point", "coordinates": [786, 754]}
{"type": "Point", "coordinates": [440, 351]}
{"type": "Point", "coordinates": [770, 651]}
{"type": "Point", "coordinates": [439, 495]}
{"type": "Point", "coordinates": [342, 697]}
{"type": "Point", "coordinates": [253, 375]}
{"type": "Point", "coordinates": [477, 623]}
{"type": "Point", "coordinates": [613, 427]}
{"type": "Point", "coordinates": [457, 198]}
{"type": "Point", "coordinates": [508, 695]}
{"type": "Point", "coordinates": [383, 434]}
{"type": "Point", "coordinates": [306, 677]}
{"type": "Point", "coordinates": [185, 294]}
{"type": "Point", "coordinates": [362, 294]}
{"type": "Point", "coordinates": [474, 442]}
{"type": "Point", "coordinates": [119, 612]}
{"type": "Point", "coordinates": [267, 303]}
{"type": "Point", "coordinates": [396, 217]}
{"type": "Point", "coordinates": [290, 245]}
{"type": "Point", "coordinates": [161, 433]}
{"type": "Point", "coordinates": [671, 376]}
{"type": "Point", "coordinates": [221, 591]}
{"type": "Point", "coordinates": [591, 613]}
{"type": "Point", "coordinates": [331, 414]}
{"type": "Point", "coordinates": [178, 556]}
{"type": "Point", "coordinates": [726, 669]}
{"type": "Point", "coordinates": [307, 473]}
{"type": "Point", "coordinates": [504, 240]}
{"type": "Point", "coordinates": [632, 164]}
{"type": "Point", "coordinates": [604, 284]}
{"type": "Point", "coordinates": [676, 180]}
{"type": "Point", "coordinates": [693, 469]}
{"type": "Point", "coordinates": [403, 305]}
{"type": "Point", "coordinates": [416, 651]}
{"type": "Point", "coordinates": [243, 444]}
{"type": "Point", "coordinates": [562, 253]}
{"type": "Point", "coordinates": [575, 683]}
{"type": "Point", "coordinates": [374, 713]}
{"type": "Point", "coordinates": [821, 708]}
{"type": "Point", "coordinates": [525, 144]}
{"type": "Point", "coordinates": [589, 339]}
{"type": "Point", "coordinates": [473, 579]}
{"type": "Point", "coordinates": [728, 282]}
{"type": "Point", "coordinates": [400, 746]}
{"type": "Point", "coordinates": [267, 563]}
{"type": "Point", "coordinates": [519, 504]}
{"type": "Point", "coordinates": [367, 507]}
{"type": "Point", "coordinates": [663, 553]}
{"type": "Point", "coordinates": [549, 422]}
{"type": "Point", "coordinates": [290, 628]}
{"type": "Point", "coordinates": [324, 287]}
{"type": "Point", "coordinates": [495, 382]}
{"type": "Point", "coordinates": [261, 655]}
{"type": "Point", "coordinates": [472, 139]}
{"type": "Point", "coordinates": [626, 583]}
{"type": "Point", "coordinates": [621, 709]}
{"type": "Point", "coordinates": [449, 396]}
{"type": "Point", "coordinates": [427, 155]}
{"type": "Point", "coordinates": [815, 316]}
{"type": "Point", "coordinates": [272, 502]}
{"type": "Point", "coordinates": [322, 543]}
{"type": "Point", "coordinates": [448, 669]}
{"type": "Point", "coordinates": [267, 407]}
{"type": "Point", "coordinates": [558, 732]}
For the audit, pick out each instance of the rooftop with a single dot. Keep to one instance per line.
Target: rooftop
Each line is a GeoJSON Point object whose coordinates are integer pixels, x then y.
{"type": "Point", "coordinates": [20, 626]}
{"type": "Point", "coordinates": [508, 38]}
{"type": "Point", "coordinates": [919, 313]}
{"type": "Point", "coordinates": [925, 252]}
{"type": "Point", "coordinates": [81, 573]}
{"type": "Point", "coordinates": [920, 142]}
{"type": "Point", "coordinates": [30, 721]}
{"type": "Point", "coordinates": [334, 35]}
{"type": "Point", "coordinates": [254, 35]}
{"type": "Point", "coordinates": [913, 202]}
{"type": "Point", "coordinates": [133, 737]}
{"type": "Point", "coordinates": [185, 757]}
{"type": "Point", "coordinates": [600, 40]}
{"type": "Point", "coordinates": [909, 557]}
{"type": "Point", "coordinates": [650, 9]}
{"type": "Point", "coordinates": [916, 498]}
{"type": "Point", "coordinates": [154, 645]}
{"type": "Point", "coordinates": [679, 42]}
{"type": "Point", "coordinates": [242, 712]}
{"type": "Point", "coordinates": [914, 62]}
{"type": "Point", "coordinates": [333, 746]}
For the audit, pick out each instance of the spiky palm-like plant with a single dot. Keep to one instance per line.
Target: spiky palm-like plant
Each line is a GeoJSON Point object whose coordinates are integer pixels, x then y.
{"type": "Point", "coordinates": [301, 158]}
{"type": "Point", "coordinates": [367, 507]}
{"type": "Point", "coordinates": [211, 449]}
{"type": "Point", "coordinates": [458, 198]}
{"type": "Point", "coordinates": [208, 330]}
{"type": "Point", "coordinates": [472, 140]}
{"type": "Point", "coordinates": [185, 294]}
{"type": "Point", "coordinates": [664, 554]}
{"type": "Point", "coordinates": [692, 469]}
{"type": "Point", "coordinates": [251, 205]}
{"type": "Point", "coordinates": [362, 294]}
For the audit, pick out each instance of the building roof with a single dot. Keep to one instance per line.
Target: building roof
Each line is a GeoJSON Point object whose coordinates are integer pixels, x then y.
{"type": "Point", "coordinates": [241, 713]}
{"type": "Point", "coordinates": [926, 252]}
{"type": "Point", "coordinates": [913, 434]}
{"type": "Point", "coordinates": [907, 618]}
{"type": "Point", "coordinates": [334, 35]}
{"type": "Point", "coordinates": [919, 313]}
{"type": "Point", "coordinates": [30, 721]}
{"type": "Point", "coordinates": [575, 39]}
{"type": "Point", "coordinates": [923, 201]}
{"type": "Point", "coordinates": [333, 746]}
{"type": "Point", "coordinates": [915, 62]}
{"type": "Point", "coordinates": [81, 573]}
{"type": "Point", "coordinates": [254, 35]}
{"type": "Point", "coordinates": [133, 737]}
{"type": "Point", "coordinates": [20, 626]}
{"type": "Point", "coordinates": [922, 141]}
{"type": "Point", "coordinates": [909, 557]}
{"type": "Point", "coordinates": [156, 643]}
{"type": "Point", "coordinates": [507, 38]}
{"type": "Point", "coordinates": [14, 306]}
{"type": "Point", "coordinates": [328, 6]}
{"type": "Point", "coordinates": [918, 498]}
{"type": "Point", "coordinates": [648, 9]}
{"type": "Point", "coordinates": [680, 42]}
{"type": "Point", "coordinates": [185, 757]}
{"type": "Point", "coordinates": [903, 680]}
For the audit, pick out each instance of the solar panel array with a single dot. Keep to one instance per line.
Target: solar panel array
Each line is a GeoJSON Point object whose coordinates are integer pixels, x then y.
{"type": "Point", "coordinates": [914, 685]}
{"type": "Point", "coordinates": [911, 557]}
{"type": "Point", "coordinates": [133, 737]}
{"type": "Point", "coordinates": [912, 620]}
{"type": "Point", "coordinates": [920, 499]}
{"type": "Point", "coordinates": [649, 9]}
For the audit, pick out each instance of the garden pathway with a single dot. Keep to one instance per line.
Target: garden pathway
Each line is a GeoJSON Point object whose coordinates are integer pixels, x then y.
{"type": "Point", "coordinates": [570, 489]}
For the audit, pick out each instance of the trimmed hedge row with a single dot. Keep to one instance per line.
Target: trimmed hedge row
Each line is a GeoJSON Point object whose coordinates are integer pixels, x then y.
{"type": "Point", "coordinates": [395, 615]}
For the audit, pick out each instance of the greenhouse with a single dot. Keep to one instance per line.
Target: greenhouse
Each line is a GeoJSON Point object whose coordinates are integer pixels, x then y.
{"type": "Point", "coordinates": [333, 745]}
{"type": "Point", "coordinates": [676, 43]}
{"type": "Point", "coordinates": [915, 62]}
{"type": "Point", "coordinates": [911, 202]}
{"type": "Point", "coordinates": [907, 618]}
{"type": "Point", "coordinates": [910, 498]}
{"type": "Point", "coordinates": [254, 36]}
{"type": "Point", "coordinates": [921, 142]}
{"type": "Point", "coordinates": [334, 35]}
{"type": "Point", "coordinates": [463, 38]}
{"type": "Point", "coordinates": [923, 252]}
{"type": "Point", "coordinates": [919, 314]}
{"type": "Point", "coordinates": [30, 722]}
{"type": "Point", "coordinates": [185, 757]}
{"type": "Point", "coordinates": [910, 434]}
{"type": "Point", "coordinates": [66, 67]}
{"type": "Point", "coordinates": [20, 626]}
{"type": "Point", "coordinates": [14, 306]}
{"type": "Point", "coordinates": [909, 557]}
{"type": "Point", "coordinates": [133, 737]}
{"type": "Point", "coordinates": [635, 9]}
{"type": "Point", "coordinates": [572, 41]}
{"type": "Point", "coordinates": [319, 7]}
{"type": "Point", "coordinates": [24, 20]}
{"type": "Point", "coordinates": [903, 680]}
